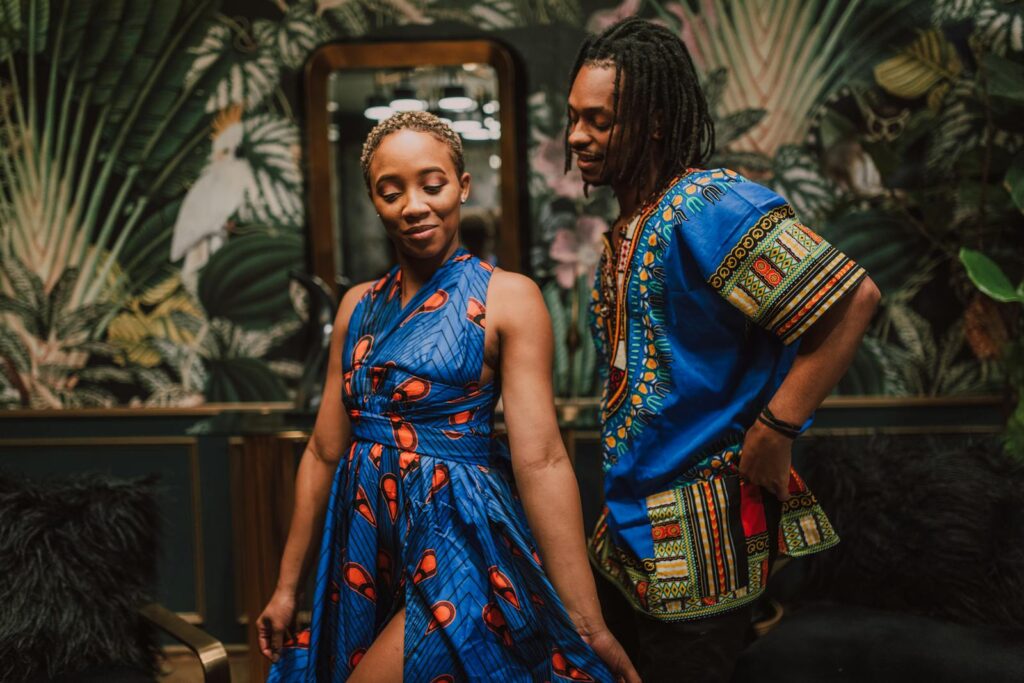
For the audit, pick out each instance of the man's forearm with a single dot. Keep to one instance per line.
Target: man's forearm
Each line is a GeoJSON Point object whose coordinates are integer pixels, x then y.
{"type": "Point", "coordinates": [826, 352]}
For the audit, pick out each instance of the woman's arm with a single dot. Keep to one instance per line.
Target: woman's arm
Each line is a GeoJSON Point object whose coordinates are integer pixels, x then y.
{"type": "Point", "coordinates": [826, 351]}
{"type": "Point", "coordinates": [331, 435]}
{"type": "Point", "coordinates": [544, 476]}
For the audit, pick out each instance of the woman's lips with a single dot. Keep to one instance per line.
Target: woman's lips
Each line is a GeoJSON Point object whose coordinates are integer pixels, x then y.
{"type": "Point", "coordinates": [420, 232]}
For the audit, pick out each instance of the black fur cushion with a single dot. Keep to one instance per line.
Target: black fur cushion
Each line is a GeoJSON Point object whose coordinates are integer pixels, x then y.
{"type": "Point", "coordinates": [842, 644]}
{"type": "Point", "coordinates": [929, 526]}
{"type": "Point", "coordinates": [77, 559]}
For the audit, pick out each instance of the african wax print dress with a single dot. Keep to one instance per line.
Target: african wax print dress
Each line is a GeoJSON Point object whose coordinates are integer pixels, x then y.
{"type": "Point", "coordinates": [423, 512]}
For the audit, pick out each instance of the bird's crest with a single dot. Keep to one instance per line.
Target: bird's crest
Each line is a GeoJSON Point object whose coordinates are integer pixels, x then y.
{"type": "Point", "coordinates": [226, 118]}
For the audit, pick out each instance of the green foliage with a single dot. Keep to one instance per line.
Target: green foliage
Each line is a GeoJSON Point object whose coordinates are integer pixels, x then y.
{"type": "Point", "coordinates": [246, 281]}
{"type": "Point", "coordinates": [988, 277]}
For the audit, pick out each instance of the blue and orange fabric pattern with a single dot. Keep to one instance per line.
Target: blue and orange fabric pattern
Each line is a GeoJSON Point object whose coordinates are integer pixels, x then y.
{"type": "Point", "coordinates": [423, 513]}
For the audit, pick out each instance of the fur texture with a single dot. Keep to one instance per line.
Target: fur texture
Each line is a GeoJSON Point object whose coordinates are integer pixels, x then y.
{"type": "Point", "coordinates": [928, 526]}
{"type": "Point", "coordinates": [77, 558]}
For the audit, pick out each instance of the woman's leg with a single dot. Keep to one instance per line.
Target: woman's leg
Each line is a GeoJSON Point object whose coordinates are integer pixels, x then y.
{"type": "Point", "coordinates": [384, 661]}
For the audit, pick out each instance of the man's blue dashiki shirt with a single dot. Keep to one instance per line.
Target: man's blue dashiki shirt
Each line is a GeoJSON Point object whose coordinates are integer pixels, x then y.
{"type": "Point", "coordinates": [697, 320]}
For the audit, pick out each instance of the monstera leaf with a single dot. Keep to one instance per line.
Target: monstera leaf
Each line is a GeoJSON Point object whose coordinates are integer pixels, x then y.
{"type": "Point", "coordinates": [246, 282]}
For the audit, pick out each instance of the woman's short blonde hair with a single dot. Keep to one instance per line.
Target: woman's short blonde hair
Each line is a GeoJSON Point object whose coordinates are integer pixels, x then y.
{"type": "Point", "coordinates": [412, 120]}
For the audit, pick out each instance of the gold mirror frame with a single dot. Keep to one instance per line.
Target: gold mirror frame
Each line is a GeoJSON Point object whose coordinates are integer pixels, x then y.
{"type": "Point", "coordinates": [396, 55]}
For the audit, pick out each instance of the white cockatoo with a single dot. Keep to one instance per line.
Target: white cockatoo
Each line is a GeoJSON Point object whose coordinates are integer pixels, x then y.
{"type": "Point", "coordinates": [199, 230]}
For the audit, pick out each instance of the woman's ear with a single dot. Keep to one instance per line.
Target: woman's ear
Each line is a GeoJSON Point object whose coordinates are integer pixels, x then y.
{"type": "Point", "coordinates": [464, 187]}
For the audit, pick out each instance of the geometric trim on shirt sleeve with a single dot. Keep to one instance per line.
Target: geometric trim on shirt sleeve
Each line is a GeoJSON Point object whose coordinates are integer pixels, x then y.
{"type": "Point", "coordinates": [783, 276]}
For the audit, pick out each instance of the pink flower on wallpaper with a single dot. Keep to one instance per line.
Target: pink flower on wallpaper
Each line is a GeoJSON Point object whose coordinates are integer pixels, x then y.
{"type": "Point", "coordinates": [548, 159]}
{"type": "Point", "coordinates": [578, 251]}
{"type": "Point", "coordinates": [604, 18]}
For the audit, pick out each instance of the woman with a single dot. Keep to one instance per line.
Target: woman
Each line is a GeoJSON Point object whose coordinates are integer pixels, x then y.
{"type": "Point", "coordinates": [427, 569]}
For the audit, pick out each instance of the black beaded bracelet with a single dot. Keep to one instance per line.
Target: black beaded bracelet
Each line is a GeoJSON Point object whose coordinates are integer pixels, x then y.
{"type": "Point", "coordinates": [789, 434]}
{"type": "Point", "coordinates": [787, 429]}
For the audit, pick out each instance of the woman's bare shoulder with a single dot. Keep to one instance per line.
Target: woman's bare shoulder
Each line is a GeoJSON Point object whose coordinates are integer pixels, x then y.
{"type": "Point", "coordinates": [513, 296]}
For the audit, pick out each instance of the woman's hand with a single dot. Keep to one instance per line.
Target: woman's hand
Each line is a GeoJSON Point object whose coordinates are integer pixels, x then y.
{"type": "Point", "coordinates": [604, 644]}
{"type": "Point", "coordinates": [274, 623]}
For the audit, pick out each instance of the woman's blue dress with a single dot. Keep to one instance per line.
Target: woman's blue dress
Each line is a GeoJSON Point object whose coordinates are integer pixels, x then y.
{"type": "Point", "coordinates": [423, 512]}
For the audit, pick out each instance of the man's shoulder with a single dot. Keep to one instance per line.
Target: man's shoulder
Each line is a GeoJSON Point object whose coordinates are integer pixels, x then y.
{"type": "Point", "coordinates": [714, 194]}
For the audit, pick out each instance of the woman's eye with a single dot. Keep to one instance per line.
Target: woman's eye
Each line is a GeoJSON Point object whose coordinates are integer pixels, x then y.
{"type": "Point", "coordinates": [390, 196]}
{"type": "Point", "coordinates": [433, 189]}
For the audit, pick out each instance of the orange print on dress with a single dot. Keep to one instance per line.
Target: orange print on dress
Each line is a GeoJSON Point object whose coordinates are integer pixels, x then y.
{"type": "Point", "coordinates": [389, 487]}
{"type": "Point", "coordinates": [352, 450]}
{"type": "Point", "coordinates": [442, 615]}
{"type": "Point", "coordinates": [536, 599]}
{"type": "Point", "coordinates": [396, 286]}
{"type": "Point", "coordinates": [486, 266]}
{"type": "Point", "coordinates": [563, 668]}
{"type": "Point", "coordinates": [361, 350]}
{"type": "Point", "coordinates": [408, 461]}
{"type": "Point", "coordinates": [460, 418]}
{"type": "Point", "coordinates": [439, 480]}
{"type": "Point", "coordinates": [299, 641]}
{"type": "Point", "coordinates": [405, 434]}
{"type": "Point", "coordinates": [376, 450]}
{"type": "Point", "coordinates": [434, 302]}
{"type": "Point", "coordinates": [476, 312]}
{"type": "Point", "coordinates": [356, 657]}
{"type": "Point", "coordinates": [453, 435]}
{"type": "Point", "coordinates": [359, 580]}
{"type": "Point", "coordinates": [426, 567]}
{"type": "Point", "coordinates": [412, 389]}
{"type": "Point", "coordinates": [502, 586]}
{"type": "Point", "coordinates": [362, 506]}
{"type": "Point", "coordinates": [377, 376]}
{"type": "Point", "coordinates": [378, 287]}
{"type": "Point", "coordinates": [334, 592]}
{"type": "Point", "coordinates": [443, 678]}
{"type": "Point", "coordinates": [495, 621]}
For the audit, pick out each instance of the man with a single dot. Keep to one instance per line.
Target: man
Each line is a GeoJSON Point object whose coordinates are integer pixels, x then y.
{"type": "Point", "coordinates": [723, 323]}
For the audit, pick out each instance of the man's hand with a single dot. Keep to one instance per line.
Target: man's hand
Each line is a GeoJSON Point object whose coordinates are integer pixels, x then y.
{"type": "Point", "coordinates": [765, 459]}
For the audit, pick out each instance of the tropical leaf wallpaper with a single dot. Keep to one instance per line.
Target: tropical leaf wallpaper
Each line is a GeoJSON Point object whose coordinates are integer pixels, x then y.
{"type": "Point", "coordinates": [152, 178]}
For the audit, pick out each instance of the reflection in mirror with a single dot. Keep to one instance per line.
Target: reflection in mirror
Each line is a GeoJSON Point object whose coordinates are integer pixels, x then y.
{"type": "Point", "coordinates": [352, 86]}
{"type": "Point", "coordinates": [466, 97]}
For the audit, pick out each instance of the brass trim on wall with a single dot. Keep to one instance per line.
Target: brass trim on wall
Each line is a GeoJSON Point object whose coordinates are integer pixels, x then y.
{"type": "Point", "coordinates": [205, 410]}
{"type": "Point", "coordinates": [397, 55]}
{"type": "Point", "coordinates": [192, 453]}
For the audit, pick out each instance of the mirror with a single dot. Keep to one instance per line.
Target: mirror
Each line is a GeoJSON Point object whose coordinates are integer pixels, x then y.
{"type": "Point", "coordinates": [350, 87]}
